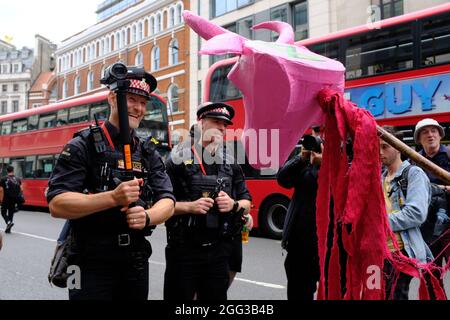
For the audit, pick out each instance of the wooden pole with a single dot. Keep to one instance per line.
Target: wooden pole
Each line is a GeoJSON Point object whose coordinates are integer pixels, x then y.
{"type": "Point", "coordinates": [418, 159]}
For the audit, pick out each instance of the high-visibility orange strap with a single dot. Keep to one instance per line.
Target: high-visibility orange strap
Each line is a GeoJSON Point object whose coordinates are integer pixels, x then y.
{"type": "Point", "coordinates": [108, 137]}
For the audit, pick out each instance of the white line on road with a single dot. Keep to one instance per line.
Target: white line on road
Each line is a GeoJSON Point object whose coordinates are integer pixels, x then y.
{"type": "Point", "coordinates": [258, 283]}
{"type": "Point", "coordinates": [33, 236]}
{"type": "Point", "coordinates": [264, 284]}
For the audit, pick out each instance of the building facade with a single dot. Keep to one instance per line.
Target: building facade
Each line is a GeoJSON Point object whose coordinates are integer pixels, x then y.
{"type": "Point", "coordinates": [149, 33]}
{"type": "Point", "coordinates": [309, 18]}
{"type": "Point", "coordinates": [15, 77]}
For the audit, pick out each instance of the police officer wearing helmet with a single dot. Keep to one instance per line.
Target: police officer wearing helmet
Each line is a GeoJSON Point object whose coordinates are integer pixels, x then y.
{"type": "Point", "coordinates": [88, 187]}
{"type": "Point", "coordinates": [201, 233]}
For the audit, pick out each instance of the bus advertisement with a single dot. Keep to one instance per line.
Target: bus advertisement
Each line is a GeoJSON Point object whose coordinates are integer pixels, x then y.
{"type": "Point", "coordinates": [31, 140]}
{"type": "Point", "coordinates": [398, 69]}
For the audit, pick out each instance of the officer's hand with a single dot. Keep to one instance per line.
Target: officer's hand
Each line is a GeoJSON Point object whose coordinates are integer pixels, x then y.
{"type": "Point", "coordinates": [224, 202]}
{"type": "Point", "coordinates": [127, 192]}
{"type": "Point", "coordinates": [249, 222]}
{"type": "Point", "coordinates": [136, 217]}
{"type": "Point", "coordinates": [202, 205]}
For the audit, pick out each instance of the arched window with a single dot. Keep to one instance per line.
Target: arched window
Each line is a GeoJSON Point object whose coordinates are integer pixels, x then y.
{"type": "Point", "coordinates": [118, 44]}
{"type": "Point", "coordinates": [77, 85]}
{"type": "Point", "coordinates": [134, 32]}
{"type": "Point", "coordinates": [155, 58]}
{"type": "Point", "coordinates": [158, 23]}
{"type": "Point", "coordinates": [139, 59]}
{"type": "Point", "coordinates": [173, 52]}
{"type": "Point", "coordinates": [172, 96]}
{"type": "Point", "coordinates": [178, 14]}
{"type": "Point", "coordinates": [140, 31]}
{"type": "Point", "coordinates": [152, 26]}
{"type": "Point", "coordinates": [171, 19]}
{"type": "Point", "coordinates": [90, 81]}
{"type": "Point", "coordinates": [65, 89]}
{"type": "Point", "coordinates": [124, 38]}
{"type": "Point", "coordinates": [102, 73]}
{"type": "Point", "coordinates": [108, 48]}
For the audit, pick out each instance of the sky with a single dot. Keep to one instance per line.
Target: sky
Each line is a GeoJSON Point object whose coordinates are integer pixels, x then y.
{"type": "Point", "coordinates": [55, 20]}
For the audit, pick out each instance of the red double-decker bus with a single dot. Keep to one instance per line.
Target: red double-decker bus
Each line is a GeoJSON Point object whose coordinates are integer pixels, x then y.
{"type": "Point", "coordinates": [398, 69]}
{"type": "Point", "coordinates": [31, 140]}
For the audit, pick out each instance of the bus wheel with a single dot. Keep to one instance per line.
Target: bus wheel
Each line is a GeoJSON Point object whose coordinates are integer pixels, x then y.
{"type": "Point", "coordinates": [272, 215]}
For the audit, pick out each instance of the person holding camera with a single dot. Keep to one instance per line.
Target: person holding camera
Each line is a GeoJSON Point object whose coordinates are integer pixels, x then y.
{"type": "Point", "coordinates": [110, 212]}
{"type": "Point", "coordinates": [299, 232]}
{"type": "Point", "coordinates": [212, 200]}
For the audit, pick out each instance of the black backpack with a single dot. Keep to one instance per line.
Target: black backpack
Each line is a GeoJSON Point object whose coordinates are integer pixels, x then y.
{"type": "Point", "coordinates": [12, 187]}
{"type": "Point", "coordinates": [438, 201]}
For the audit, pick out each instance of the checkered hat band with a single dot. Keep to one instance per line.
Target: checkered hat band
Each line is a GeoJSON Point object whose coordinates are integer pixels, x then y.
{"type": "Point", "coordinates": [141, 85]}
{"type": "Point", "coordinates": [223, 111]}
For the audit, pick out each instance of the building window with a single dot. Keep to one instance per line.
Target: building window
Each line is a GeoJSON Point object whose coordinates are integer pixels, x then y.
{"type": "Point", "coordinates": [5, 68]}
{"type": "Point", "coordinates": [90, 81]}
{"type": "Point", "coordinates": [4, 87]}
{"type": "Point", "coordinates": [173, 52]}
{"type": "Point", "coordinates": [15, 104]}
{"type": "Point", "coordinates": [140, 31]}
{"type": "Point", "coordinates": [155, 58]}
{"type": "Point", "coordinates": [4, 107]}
{"type": "Point", "coordinates": [16, 68]}
{"type": "Point", "coordinates": [171, 21]}
{"type": "Point", "coordinates": [300, 20]}
{"type": "Point", "coordinates": [139, 59]}
{"type": "Point", "coordinates": [179, 14]}
{"type": "Point", "coordinates": [221, 7]}
{"type": "Point", "coordinates": [152, 26]}
{"type": "Point", "coordinates": [77, 85]}
{"type": "Point", "coordinates": [15, 87]}
{"type": "Point", "coordinates": [173, 98]}
{"type": "Point", "coordinates": [158, 23]}
{"type": "Point", "coordinates": [389, 8]}
{"type": "Point", "coordinates": [244, 27]}
{"type": "Point", "coordinates": [65, 89]}
{"type": "Point", "coordinates": [278, 14]}
{"type": "Point", "coordinates": [134, 33]}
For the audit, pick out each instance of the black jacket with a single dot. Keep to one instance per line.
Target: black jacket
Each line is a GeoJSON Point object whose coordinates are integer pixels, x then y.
{"type": "Point", "coordinates": [300, 223]}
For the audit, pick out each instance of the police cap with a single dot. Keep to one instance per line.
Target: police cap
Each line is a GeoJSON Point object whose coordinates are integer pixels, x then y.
{"type": "Point", "coordinates": [216, 110]}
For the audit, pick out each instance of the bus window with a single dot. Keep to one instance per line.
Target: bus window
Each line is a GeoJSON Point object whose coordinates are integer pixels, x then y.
{"type": "Point", "coordinates": [61, 117]}
{"type": "Point", "coordinates": [79, 114]}
{"type": "Point", "coordinates": [28, 166]}
{"type": "Point", "coordinates": [222, 89]}
{"type": "Point", "coordinates": [19, 125]}
{"type": "Point", "coordinates": [44, 166]}
{"type": "Point", "coordinates": [4, 164]}
{"type": "Point", "coordinates": [33, 122]}
{"type": "Point", "coordinates": [101, 110]}
{"type": "Point", "coordinates": [19, 166]}
{"type": "Point", "coordinates": [379, 51]}
{"type": "Point", "coordinates": [436, 40]}
{"type": "Point", "coordinates": [327, 49]}
{"type": "Point", "coordinates": [47, 120]}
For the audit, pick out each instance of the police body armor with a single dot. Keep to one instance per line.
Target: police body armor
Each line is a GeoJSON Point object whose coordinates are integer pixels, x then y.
{"type": "Point", "coordinates": [194, 229]}
{"type": "Point", "coordinates": [105, 174]}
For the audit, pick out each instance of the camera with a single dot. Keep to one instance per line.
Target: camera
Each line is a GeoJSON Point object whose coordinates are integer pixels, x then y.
{"type": "Point", "coordinates": [113, 74]}
{"type": "Point", "coordinates": [311, 143]}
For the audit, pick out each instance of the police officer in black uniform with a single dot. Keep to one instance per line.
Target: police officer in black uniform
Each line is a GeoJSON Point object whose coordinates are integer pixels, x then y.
{"type": "Point", "coordinates": [201, 234]}
{"type": "Point", "coordinates": [87, 186]}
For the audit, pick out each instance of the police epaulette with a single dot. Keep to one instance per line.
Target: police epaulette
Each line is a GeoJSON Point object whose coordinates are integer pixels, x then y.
{"type": "Point", "coordinates": [150, 145]}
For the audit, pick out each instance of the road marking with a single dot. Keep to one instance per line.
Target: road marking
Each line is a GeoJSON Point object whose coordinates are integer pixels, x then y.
{"type": "Point", "coordinates": [258, 283]}
{"type": "Point", "coordinates": [32, 236]}
{"type": "Point", "coordinates": [264, 284]}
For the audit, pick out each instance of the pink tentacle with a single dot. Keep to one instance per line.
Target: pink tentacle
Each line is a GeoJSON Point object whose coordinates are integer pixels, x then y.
{"type": "Point", "coordinates": [284, 29]}
{"type": "Point", "coordinates": [201, 26]}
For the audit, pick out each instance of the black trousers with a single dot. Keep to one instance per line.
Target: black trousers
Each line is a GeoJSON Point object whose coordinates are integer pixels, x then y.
{"type": "Point", "coordinates": [401, 289]}
{"type": "Point", "coordinates": [8, 210]}
{"type": "Point", "coordinates": [201, 271]}
{"type": "Point", "coordinates": [110, 272]}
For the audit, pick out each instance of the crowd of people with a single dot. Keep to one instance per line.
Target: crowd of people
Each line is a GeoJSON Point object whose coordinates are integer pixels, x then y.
{"type": "Point", "coordinates": [201, 195]}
